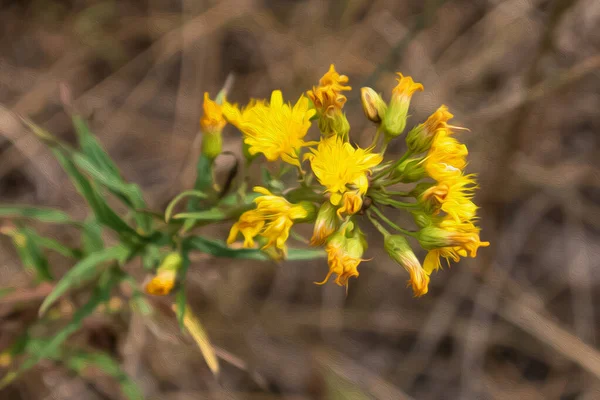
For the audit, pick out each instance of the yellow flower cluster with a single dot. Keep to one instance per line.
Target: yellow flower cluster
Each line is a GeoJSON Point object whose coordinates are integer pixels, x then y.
{"type": "Point", "coordinates": [355, 184]}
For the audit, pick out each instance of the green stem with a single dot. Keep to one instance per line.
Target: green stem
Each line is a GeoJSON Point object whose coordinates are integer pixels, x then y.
{"type": "Point", "coordinates": [390, 223]}
{"type": "Point", "coordinates": [376, 138]}
{"type": "Point", "coordinates": [391, 167]}
{"type": "Point", "coordinates": [377, 225]}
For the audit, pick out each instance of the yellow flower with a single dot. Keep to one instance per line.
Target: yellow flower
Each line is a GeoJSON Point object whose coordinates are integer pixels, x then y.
{"type": "Point", "coordinates": [272, 219]}
{"type": "Point", "coordinates": [446, 157]}
{"type": "Point", "coordinates": [396, 114]}
{"type": "Point", "coordinates": [451, 240]}
{"type": "Point", "coordinates": [453, 196]}
{"type": "Point", "coordinates": [327, 222]}
{"type": "Point", "coordinates": [212, 119]}
{"type": "Point", "coordinates": [337, 165]}
{"type": "Point", "coordinates": [328, 97]}
{"type": "Point", "coordinates": [344, 254]}
{"type": "Point", "coordinates": [275, 129]}
{"type": "Point", "coordinates": [166, 274]}
{"type": "Point", "coordinates": [419, 138]}
{"type": "Point", "coordinates": [400, 251]}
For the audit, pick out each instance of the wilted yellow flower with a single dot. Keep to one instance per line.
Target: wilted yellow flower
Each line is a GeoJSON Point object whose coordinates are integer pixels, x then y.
{"type": "Point", "coordinates": [276, 129]}
{"type": "Point", "coordinates": [446, 157]}
{"type": "Point", "coordinates": [326, 223]}
{"type": "Point", "coordinates": [453, 196]}
{"type": "Point", "coordinates": [212, 119]}
{"type": "Point", "coordinates": [272, 219]}
{"type": "Point", "coordinates": [340, 167]}
{"type": "Point", "coordinates": [400, 251]}
{"type": "Point", "coordinates": [166, 274]}
{"type": "Point", "coordinates": [419, 138]}
{"type": "Point", "coordinates": [394, 121]}
{"type": "Point", "coordinates": [328, 96]}
{"type": "Point", "coordinates": [344, 253]}
{"type": "Point", "coordinates": [451, 240]}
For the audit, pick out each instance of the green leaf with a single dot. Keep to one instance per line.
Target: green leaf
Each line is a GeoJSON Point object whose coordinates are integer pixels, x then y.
{"type": "Point", "coordinates": [129, 193]}
{"type": "Point", "coordinates": [104, 214]}
{"type": "Point", "coordinates": [54, 245]}
{"type": "Point", "coordinates": [173, 203]}
{"type": "Point", "coordinates": [83, 271]}
{"type": "Point", "coordinates": [91, 237]}
{"type": "Point", "coordinates": [38, 213]}
{"type": "Point", "coordinates": [214, 214]}
{"type": "Point", "coordinates": [50, 348]}
{"type": "Point", "coordinates": [79, 361]}
{"type": "Point", "coordinates": [92, 148]}
{"type": "Point", "coordinates": [218, 248]}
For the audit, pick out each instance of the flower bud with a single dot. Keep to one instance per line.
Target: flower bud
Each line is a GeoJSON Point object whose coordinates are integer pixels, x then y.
{"type": "Point", "coordinates": [326, 224]}
{"type": "Point", "coordinates": [373, 105]}
{"type": "Point", "coordinates": [400, 251]}
{"type": "Point", "coordinates": [396, 114]}
{"type": "Point", "coordinates": [311, 211]}
{"type": "Point", "coordinates": [212, 145]}
{"type": "Point", "coordinates": [166, 274]}
{"type": "Point", "coordinates": [419, 138]}
{"type": "Point", "coordinates": [422, 218]}
{"type": "Point", "coordinates": [410, 170]}
{"type": "Point", "coordinates": [334, 124]}
{"type": "Point", "coordinates": [351, 203]}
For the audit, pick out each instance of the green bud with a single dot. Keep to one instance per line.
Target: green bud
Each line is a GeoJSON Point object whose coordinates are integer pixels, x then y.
{"type": "Point", "coordinates": [212, 144]}
{"type": "Point", "coordinates": [171, 262]}
{"type": "Point", "coordinates": [410, 170]}
{"type": "Point", "coordinates": [334, 124]}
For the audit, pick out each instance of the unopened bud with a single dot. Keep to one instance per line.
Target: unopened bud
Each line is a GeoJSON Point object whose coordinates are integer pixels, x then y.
{"type": "Point", "coordinates": [166, 275]}
{"type": "Point", "coordinates": [326, 224]}
{"type": "Point", "coordinates": [373, 105]}
{"type": "Point", "coordinates": [410, 170]}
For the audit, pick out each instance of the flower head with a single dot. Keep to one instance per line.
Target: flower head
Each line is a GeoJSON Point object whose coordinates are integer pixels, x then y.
{"type": "Point", "coordinates": [276, 129]}
{"type": "Point", "coordinates": [272, 219]}
{"type": "Point", "coordinates": [419, 138]}
{"type": "Point", "coordinates": [453, 196]}
{"type": "Point", "coordinates": [449, 239]}
{"type": "Point", "coordinates": [344, 253]}
{"type": "Point", "coordinates": [166, 274]}
{"type": "Point", "coordinates": [328, 97]}
{"type": "Point", "coordinates": [395, 117]}
{"type": "Point", "coordinates": [340, 167]}
{"type": "Point", "coordinates": [373, 105]}
{"type": "Point", "coordinates": [446, 156]}
{"type": "Point", "coordinates": [212, 119]}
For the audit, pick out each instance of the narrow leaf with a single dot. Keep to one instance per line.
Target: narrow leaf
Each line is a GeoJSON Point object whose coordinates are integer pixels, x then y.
{"type": "Point", "coordinates": [179, 197]}
{"type": "Point", "coordinates": [38, 213]}
{"type": "Point", "coordinates": [82, 272]}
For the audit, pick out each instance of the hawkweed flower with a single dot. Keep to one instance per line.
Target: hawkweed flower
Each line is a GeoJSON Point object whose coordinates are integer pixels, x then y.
{"type": "Point", "coordinates": [419, 139]}
{"type": "Point", "coordinates": [328, 100]}
{"type": "Point", "coordinates": [373, 105]}
{"type": "Point", "coordinates": [340, 167]}
{"type": "Point", "coordinates": [396, 114]}
{"type": "Point", "coordinates": [272, 219]}
{"type": "Point", "coordinates": [399, 250]}
{"type": "Point", "coordinates": [166, 275]}
{"type": "Point", "coordinates": [275, 129]}
{"type": "Point", "coordinates": [326, 224]}
{"type": "Point", "coordinates": [212, 123]}
{"type": "Point", "coordinates": [344, 250]}
{"type": "Point", "coordinates": [450, 240]}
{"type": "Point", "coordinates": [446, 156]}
{"type": "Point", "coordinates": [453, 196]}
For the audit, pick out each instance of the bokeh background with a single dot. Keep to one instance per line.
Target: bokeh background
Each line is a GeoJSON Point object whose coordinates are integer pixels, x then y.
{"type": "Point", "coordinates": [520, 321]}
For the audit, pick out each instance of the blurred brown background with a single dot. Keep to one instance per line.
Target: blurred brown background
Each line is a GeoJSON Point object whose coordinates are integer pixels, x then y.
{"type": "Point", "coordinates": [520, 321]}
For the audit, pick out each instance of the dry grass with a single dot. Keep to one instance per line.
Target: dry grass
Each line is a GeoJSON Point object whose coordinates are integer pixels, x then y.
{"type": "Point", "coordinates": [520, 321]}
